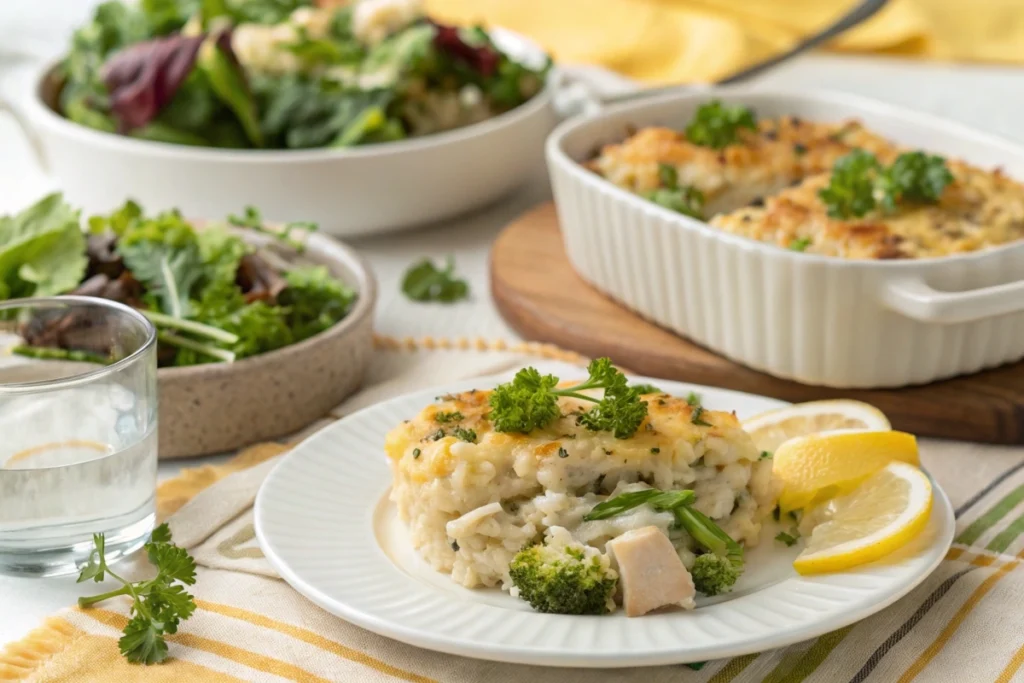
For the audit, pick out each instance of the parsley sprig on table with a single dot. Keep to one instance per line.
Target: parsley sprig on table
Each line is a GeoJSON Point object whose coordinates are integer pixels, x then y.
{"type": "Point", "coordinates": [860, 184]}
{"type": "Point", "coordinates": [717, 126]}
{"type": "Point", "coordinates": [424, 281]}
{"type": "Point", "coordinates": [530, 401]}
{"type": "Point", "coordinates": [159, 604]}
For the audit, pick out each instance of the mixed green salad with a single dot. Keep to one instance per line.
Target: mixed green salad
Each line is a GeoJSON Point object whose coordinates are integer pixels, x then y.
{"type": "Point", "coordinates": [211, 295]}
{"type": "Point", "coordinates": [283, 73]}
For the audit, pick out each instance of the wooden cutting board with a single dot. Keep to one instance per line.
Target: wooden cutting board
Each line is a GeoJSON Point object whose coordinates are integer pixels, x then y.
{"type": "Point", "coordinates": [540, 295]}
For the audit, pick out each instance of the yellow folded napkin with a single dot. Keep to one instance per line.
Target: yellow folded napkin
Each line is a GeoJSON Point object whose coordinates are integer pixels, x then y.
{"type": "Point", "coordinates": [671, 41]}
{"type": "Point", "coordinates": [962, 623]}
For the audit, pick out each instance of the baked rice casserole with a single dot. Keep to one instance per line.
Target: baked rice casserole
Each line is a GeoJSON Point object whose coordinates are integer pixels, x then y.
{"type": "Point", "coordinates": [474, 497]}
{"type": "Point", "coordinates": [834, 189]}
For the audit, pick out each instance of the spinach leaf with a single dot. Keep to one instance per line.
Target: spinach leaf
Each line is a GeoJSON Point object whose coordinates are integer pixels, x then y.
{"type": "Point", "coordinates": [264, 11]}
{"type": "Point", "coordinates": [227, 81]}
{"type": "Point", "coordinates": [167, 16]}
{"type": "Point", "coordinates": [158, 131]}
{"type": "Point", "coordinates": [84, 99]}
{"type": "Point", "coordinates": [301, 112]}
{"type": "Point", "coordinates": [193, 107]}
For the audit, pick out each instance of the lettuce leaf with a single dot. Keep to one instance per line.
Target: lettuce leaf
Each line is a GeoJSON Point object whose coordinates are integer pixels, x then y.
{"type": "Point", "coordinates": [163, 254]}
{"type": "Point", "coordinates": [143, 78]}
{"type": "Point", "coordinates": [315, 300]}
{"type": "Point", "coordinates": [42, 250]}
{"type": "Point", "coordinates": [227, 80]}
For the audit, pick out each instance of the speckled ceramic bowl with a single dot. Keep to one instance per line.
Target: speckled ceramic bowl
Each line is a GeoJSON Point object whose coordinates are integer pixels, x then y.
{"type": "Point", "coordinates": [223, 406]}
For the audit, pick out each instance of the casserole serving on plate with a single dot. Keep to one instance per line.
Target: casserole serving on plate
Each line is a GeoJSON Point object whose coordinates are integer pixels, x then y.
{"type": "Point", "coordinates": [801, 315]}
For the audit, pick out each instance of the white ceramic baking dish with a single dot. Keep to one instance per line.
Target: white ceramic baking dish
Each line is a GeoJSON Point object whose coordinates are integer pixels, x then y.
{"type": "Point", "coordinates": [355, 191]}
{"type": "Point", "coordinates": [813, 319]}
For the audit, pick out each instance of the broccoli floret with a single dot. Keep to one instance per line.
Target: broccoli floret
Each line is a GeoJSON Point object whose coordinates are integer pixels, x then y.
{"type": "Point", "coordinates": [564, 579]}
{"type": "Point", "coordinates": [713, 574]}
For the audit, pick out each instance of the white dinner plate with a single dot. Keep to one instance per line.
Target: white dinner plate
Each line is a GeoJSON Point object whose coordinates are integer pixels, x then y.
{"type": "Point", "coordinates": [325, 523]}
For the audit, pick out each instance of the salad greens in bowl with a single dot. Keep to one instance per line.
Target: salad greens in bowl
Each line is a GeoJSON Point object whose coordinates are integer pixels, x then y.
{"type": "Point", "coordinates": [362, 118]}
{"type": "Point", "coordinates": [284, 74]}
{"type": "Point", "coordinates": [212, 296]}
{"type": "Point", "coordinates": [261, 328]}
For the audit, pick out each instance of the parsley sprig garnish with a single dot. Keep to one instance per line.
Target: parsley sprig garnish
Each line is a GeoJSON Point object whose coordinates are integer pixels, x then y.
{"type": "Point", "coordinates": [530, 401]}
{"type": "Point", "coordinates": [697, 417]}
{"type": "Point", "coordinates": [424, 281]}
{"type": "Point", "coordinates": [860, 184]}
{"type": "Point", "coordinates": [464, 434]}
{"type": "Point", "coordinates": [159, 604]}
{"type": "Point", "coordinates": [717, 126]}
{"type": "Point", "coordinates": [789, 539]}
{"type": "Point", "coordinates": [915, 177]}
{"type": "Point", "coordinates": [684, 199]}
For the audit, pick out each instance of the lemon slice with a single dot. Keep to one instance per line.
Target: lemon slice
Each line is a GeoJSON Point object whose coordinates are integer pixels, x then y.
{"type": "Point", "coordinates": [769, 430]}
{"type": "Point", "coordinates": [817, 467]}
{"type": "Point", "coordinates": [881, 515]}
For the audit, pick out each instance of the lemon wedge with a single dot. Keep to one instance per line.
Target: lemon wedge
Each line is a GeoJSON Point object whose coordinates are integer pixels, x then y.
{"type": "Point", "coordinates": [769, 430]}
{"type": "Point", "coordinates": [881, 515]}
{"type": "Point", "coordinates": [817, 467]}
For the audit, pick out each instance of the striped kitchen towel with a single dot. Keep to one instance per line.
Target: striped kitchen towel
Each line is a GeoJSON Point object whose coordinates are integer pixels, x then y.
{"type": "Point", "coordinates": [962, 624]}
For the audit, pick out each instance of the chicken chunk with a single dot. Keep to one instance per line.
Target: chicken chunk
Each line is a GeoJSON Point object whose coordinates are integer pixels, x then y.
{"type": "Point", "coordinates": [650, 572]}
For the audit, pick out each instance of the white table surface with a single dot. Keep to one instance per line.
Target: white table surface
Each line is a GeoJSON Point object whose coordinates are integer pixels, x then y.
{"type": "Point", "coordinates": [990, 98]}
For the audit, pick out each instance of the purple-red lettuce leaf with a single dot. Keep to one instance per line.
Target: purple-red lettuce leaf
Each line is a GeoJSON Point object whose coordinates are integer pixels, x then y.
{"type": "Point", "coordinates": [482, 58]}
{"type": "Point", "coordinates": [143, 78]}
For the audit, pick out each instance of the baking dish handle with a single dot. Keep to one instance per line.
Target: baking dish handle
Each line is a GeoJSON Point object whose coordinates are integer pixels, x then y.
{"type": "Point", "coordinates": [915, 299]}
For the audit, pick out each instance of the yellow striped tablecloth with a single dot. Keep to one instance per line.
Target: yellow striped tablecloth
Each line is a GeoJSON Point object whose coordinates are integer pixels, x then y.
{"type": "Point", "coordinates": [962, 624]}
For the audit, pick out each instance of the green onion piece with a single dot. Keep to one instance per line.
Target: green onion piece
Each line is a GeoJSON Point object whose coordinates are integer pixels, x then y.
{"type": "Point", "coordinates": [185, 343]}
{"type": "Point", "coordinates": [708, 534]}
{"type": "Point", "coordinates": [191, 326]}
{"type": "Point", "coordinates": [659, 500]}
{"type": "Point", "coordinates": [50, 353]}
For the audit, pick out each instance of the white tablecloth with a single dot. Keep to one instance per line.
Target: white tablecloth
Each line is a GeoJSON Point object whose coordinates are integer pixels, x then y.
{"type": "Point", "coordinates": [990, 98]}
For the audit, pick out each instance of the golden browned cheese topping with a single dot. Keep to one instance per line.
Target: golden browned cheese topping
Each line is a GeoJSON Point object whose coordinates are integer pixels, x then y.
{"type": "Point", "coordinates": [781, 152]}
{"type": "Point", "coordinates": [429, 445]}
{"type": "Point", "coordinates": [979, 209]}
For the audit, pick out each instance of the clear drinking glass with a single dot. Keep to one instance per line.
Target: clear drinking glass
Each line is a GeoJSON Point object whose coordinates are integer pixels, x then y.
{"type": "Point", "coordinates": [78, 440]}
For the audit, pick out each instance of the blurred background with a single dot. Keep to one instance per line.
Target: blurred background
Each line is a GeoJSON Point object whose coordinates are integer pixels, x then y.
{"type": "Point", "coordinates": [661, 41]}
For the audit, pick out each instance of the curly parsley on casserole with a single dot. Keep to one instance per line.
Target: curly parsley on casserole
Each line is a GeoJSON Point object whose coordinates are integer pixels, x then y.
{"type": "Point", "coordinates": [730, 162]}
{"type": "Point", "coordinates": [822, 188]}
{"type": "Point", "coordinates": [531, 485]}
{"type": "Point", "coordinates": [918, 207]}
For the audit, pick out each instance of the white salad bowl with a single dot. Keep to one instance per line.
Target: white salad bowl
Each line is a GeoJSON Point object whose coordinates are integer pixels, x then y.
{"type": "Point", "coordinates": [351, 191]}
{"type": "Point", "coordinates": [814, 319]}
